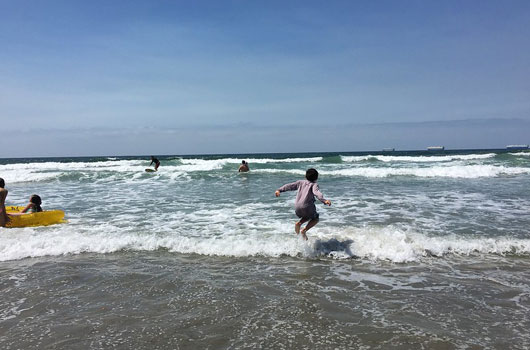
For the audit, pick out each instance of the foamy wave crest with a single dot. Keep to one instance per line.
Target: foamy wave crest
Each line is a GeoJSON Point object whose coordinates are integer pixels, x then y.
{"type": "Point", "coordinates": [285, 160]}
{"type": "Point", "coordinates": [460, 171]}
{"type": "Point", "coordinates": [204, 164]}
{"type": "Point", "coordinates": [15, 176]}
{"type": "Point", "coordinates": [416, 159]}
{"type": "Point", "coordinates": [279, 171]}
{"type": "Point", "coordinates": [27, 172]}
{"type": "Point", "coordinates": [28, 244]}
{"type": "Point", "coordinates": [366, 243]}
{"type": "Point", "coordinates": [45, 171]}
{"type": "Point", "coordinates": [196, 164]}
{"type": "Point", "coordinates": [397, 246]}
{"type": "Point", "coordinates": [466, 172]}
{"type": "Point", "coordinates": [117, 169]}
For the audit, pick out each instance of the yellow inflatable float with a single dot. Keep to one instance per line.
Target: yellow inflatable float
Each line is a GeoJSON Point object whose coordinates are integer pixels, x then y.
{"type": "Point", "coordinates": [43, 218]}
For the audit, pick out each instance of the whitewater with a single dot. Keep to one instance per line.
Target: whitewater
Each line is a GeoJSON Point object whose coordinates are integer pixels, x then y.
{"type": "Point", "coordinates": [197, 244]}
{"type": "Point", "coordinates": [393, 207]}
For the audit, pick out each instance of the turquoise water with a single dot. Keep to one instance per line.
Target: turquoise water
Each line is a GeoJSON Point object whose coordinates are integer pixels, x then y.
{"type": "Point", "coordinates": [408, 235]}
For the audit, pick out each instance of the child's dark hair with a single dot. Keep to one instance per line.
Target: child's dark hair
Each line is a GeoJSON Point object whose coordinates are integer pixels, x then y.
{"type": "Point", "coordinates": [311, 174]}
{"type": "Point", "coordinates": [2, 182]}
{"type": "Point", "coordinates": [35, 199]}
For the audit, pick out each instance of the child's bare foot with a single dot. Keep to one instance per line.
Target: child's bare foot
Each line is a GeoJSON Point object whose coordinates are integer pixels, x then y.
{"type": "Point", "coordinates": [297, 227]}
{"type": "Point", "coordinates": [303, 233]}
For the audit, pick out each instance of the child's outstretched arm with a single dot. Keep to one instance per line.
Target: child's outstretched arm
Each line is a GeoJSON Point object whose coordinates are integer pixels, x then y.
{"type": "Point", "coordinates": [288, 187]}
{"type": "Point", "coordinates": [319, 195]}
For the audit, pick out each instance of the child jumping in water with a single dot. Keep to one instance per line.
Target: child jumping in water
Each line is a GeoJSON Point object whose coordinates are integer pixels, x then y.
{"type": "Point", "coordinates": [304, 206]}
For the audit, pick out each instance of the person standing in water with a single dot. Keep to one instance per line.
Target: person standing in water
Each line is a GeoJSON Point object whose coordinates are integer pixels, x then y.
{"type": "Point", "coordinates": [3, 194]}
{"type": "Point", "coordinates": [243, 168]}
{"type": "Point", "coordinates": [156, 162]}
{"type": "Point", "coordinates": [305, 200]}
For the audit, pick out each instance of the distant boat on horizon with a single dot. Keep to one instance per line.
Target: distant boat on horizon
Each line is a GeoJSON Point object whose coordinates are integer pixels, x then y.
{"type": "Point", "coordinates": [435, 148]}
{"type": "Point", "coordinates": [516, 147]}
{"type": "Point", "coordinates": [389, 149]}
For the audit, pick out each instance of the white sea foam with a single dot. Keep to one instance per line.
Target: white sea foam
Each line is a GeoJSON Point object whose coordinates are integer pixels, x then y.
{"type": "Point", "coordinates": [417, 159]}
{"type": "Point", "coordinates": [14, 176]}
{"type": "Point", "coordinates": [455, 171]}
{"type": "Point", "coordinates": [121, 165]}
{"type": "Point", "coordinates": [286, 171]}
{"type": "Point", "coordinates": [109, 170]}
{"type": "Point", "coordinates": [251, 160]}
{"type": "Point", "coordinates": [203, 164]}
{"type": "Point", "coordinates": [47, 171]}
{"type": "Point", "coordinates": [367, 243]}
{"type": "Point", "coordinates": [398, 246]}
{"type": "Point", "coordinates": [44, 171]}
{"type": "Point", "coordinates": [240, 217]}
{"type": "Point", "coordinates": [197, 164]}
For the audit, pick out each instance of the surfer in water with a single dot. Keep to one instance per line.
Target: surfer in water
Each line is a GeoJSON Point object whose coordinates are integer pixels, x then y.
{"type": "Point", "coordinates": [156, 162]}
{"type": "Point", "coordinates": [243, 168]}
{"type": "Point", "coordinates": [3, 194]}
{"type": "Point", "coordinates": [304, 206]}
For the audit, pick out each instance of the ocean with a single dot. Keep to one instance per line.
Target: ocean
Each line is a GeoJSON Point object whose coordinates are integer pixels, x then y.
{"type": "Point", "coordinates": [419, 250]}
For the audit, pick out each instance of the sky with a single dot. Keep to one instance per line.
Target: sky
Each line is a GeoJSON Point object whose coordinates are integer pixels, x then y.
{"type": "Point", "coordinates": [83, 78]}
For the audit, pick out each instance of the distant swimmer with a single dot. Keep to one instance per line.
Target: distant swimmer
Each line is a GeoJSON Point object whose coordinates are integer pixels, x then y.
{"type": "Point", "coordinates": [3, 194]}
{"type": "Point", "coordinates": [305, 200]}
{"type": "Point", "coordinates": [156, 162]}
{"type": "Point", "coordinates": [243, 168]}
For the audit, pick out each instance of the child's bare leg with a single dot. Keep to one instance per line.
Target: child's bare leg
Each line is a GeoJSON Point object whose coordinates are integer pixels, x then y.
{"type": "Point", "coordinates": [310, 224]}
{"type": "Point", "coordinates": [298, 225]}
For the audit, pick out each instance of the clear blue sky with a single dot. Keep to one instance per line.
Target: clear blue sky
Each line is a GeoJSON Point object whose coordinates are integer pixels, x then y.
{"type": "Point", "coordinates": [185, 77]}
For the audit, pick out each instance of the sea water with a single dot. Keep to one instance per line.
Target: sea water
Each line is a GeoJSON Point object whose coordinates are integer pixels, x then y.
{"type": "Point", "coordinates": [418, 250]}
